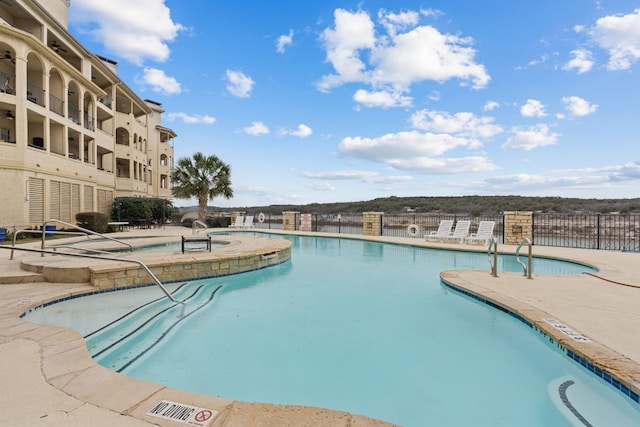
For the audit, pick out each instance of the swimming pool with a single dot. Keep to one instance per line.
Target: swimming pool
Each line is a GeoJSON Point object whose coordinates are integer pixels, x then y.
{"type": "Point", "coordinates": [336, 327]}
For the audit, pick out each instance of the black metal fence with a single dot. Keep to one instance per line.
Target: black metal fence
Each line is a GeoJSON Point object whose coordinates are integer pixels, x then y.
{"type": "Point", "coordinates": [596, 231]}
{"type": "Point", "coordinates": [612, 232]}
{"type": "Point", "coordinates": [417, 225]}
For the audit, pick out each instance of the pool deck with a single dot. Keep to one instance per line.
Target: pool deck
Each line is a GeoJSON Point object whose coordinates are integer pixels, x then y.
{"type": "Point", "coordinates": [49, 379]}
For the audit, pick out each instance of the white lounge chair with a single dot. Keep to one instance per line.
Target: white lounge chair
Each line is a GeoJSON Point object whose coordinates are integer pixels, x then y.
{"type": "Point", "coordinates": [460, 232]}
{"type": "Point", "coordinates": [248, 222]}
{"type": "Point", "coordinates": [484, 233]}
{"type": "Point", "coordinates": [444, 230]}
{"type": "Point", "coordinates": [239, 222]}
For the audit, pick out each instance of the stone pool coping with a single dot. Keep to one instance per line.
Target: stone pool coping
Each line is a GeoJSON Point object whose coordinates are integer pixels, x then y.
{"type": "Point", "coordinates": [53, 377]}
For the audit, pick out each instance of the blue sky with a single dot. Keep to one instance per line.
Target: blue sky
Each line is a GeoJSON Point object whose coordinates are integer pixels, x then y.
{"type": "Point", "coordinates": [329, 101]}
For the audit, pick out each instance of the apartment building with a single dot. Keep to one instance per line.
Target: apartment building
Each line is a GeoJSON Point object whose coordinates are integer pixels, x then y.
{"type": "Point", "coordinates": [73, 136]}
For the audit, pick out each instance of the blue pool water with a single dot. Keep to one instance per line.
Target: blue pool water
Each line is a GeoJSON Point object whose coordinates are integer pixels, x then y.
{"type": "Point", "coordinates": [349, 325]}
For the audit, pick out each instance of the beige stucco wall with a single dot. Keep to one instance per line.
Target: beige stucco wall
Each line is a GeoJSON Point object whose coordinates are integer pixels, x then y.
{"type": "Point", "coordinates": [59, 9]}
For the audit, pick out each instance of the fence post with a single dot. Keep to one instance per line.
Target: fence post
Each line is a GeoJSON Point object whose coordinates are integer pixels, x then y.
{"type": "Point", "coordinates": [517, 226]}
{"type": "Point", "coordinates": [372, 223]}
{"type": "Point", "coordinates": [598, 231]}
{"type": "Point", "coordinates": [289, 220]}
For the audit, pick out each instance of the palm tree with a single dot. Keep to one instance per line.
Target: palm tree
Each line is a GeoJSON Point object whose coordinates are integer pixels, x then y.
{"type": "Point", "coordinates": [202, 177]}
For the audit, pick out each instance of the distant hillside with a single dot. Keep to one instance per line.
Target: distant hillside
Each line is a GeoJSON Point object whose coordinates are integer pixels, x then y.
{"type": "Point", "coordinates": [473, 205]}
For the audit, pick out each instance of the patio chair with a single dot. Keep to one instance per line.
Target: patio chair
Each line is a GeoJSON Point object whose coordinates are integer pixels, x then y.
{"type": "Point", "coordinates": [239, 222]}
{"type": "Point", "coordinates": [460, 232]}
{"type": "Point", "coordinates": [248, 222]}
{"type": "Point", "coordinates": [444, 230]}
{"type": "Point", "coordinates": [484, 233]}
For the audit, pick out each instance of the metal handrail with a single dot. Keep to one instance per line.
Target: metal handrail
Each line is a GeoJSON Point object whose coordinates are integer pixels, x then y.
{"type": "Point", "coordinates": [527, 267]}
{"type": "Point", "coordinates": [69, 233]}
{"type": "Point", "coordinates": [493, 243]}
{"type": "Point", "coordinates": [66, 224]}
{"type": "Point", "coordinates": [107, 258]}
{"type": "Point", "coordinates": [196, 223]}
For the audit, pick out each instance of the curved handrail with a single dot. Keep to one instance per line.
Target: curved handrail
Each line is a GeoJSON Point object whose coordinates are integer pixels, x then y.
{"type": "Point", "coordinates": [196, 223]}
{"type": "Point", "coordinates": [108, 258]}
{"type": "Point", "coordinates": [66, 224]}
{"type": "Point", "coordinates": [493, 243]}
{"type": "Point", "coordinates": [18, 232]}
{"type": "Point", "coordinates": [527, 268]}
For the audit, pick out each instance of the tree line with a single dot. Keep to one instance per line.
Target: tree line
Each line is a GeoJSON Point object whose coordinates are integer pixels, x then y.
{"type": "Point", "coordinates": [207, 177]}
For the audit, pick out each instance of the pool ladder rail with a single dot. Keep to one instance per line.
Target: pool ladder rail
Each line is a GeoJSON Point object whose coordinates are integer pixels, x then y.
{"type": "Point", "coordinates": [493, 262]}
{"type": "Point", "coordinates": [492, 254]}
{"type": "Point", "coordinates": [528, 267]}
{"type": "Point", "coordinates": [197, 223]}
{"type": "Point", "coordinates": [44, 251]}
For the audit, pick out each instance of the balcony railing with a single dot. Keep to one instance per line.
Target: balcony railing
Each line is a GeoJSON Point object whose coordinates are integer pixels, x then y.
{"type": "Point", "coordinates": [89, 122]}
{"type": "Point", "coordinates": [7, 83]}
{"type": "Point", "coordinates": [74, 114]}
{"type": "Point", "coordinates": [106, 101]}
{"type": "Point", "coordinates": [35, 94]}
{"type": "Point", "coordinates": [56, 105]}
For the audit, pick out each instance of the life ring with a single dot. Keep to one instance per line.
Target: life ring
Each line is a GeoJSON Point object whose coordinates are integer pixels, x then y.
{"type": "Point", "coordinates": [261, 217]}
{"type": "Point", "coordinates": [413, 230]}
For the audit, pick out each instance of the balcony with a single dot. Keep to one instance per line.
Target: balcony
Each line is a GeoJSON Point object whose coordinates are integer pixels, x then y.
{"type": "Point", "coordinates": [7, 83]}
{"type": "Point", "coordinates": [35, 94]}
{"type": "Point", "coordinates": [56, 105]}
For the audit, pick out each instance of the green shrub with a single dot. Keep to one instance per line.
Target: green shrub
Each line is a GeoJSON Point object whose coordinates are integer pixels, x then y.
{"type": "Point", "coordinates": [134, 209]}
{"type": "Point", "coordinates": [94, 221]}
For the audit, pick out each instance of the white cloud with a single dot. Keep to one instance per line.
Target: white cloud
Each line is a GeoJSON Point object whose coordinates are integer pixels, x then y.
{"type": "Point", "coordinates": [256, 128]}
{"type": "Point", "coordinates": [353, 32]}
{"type": "Point", "coordinates": [462, 124]}
{"type": "Point", "coordinates": [416, 151]}
{"type": "Point", "coordinates": [191, 119]}
{"type": "Point", "coordinates": [238, 84]}
{"type": "Point", "coordinates": [324, 186]}
{"type": "Point", "coordinates": [435, 96]}
{"type": "Point", "coordinates": [577, 106]}
{"type": "Point", "coordinates": [284, 41]}
{"type": "Point", "coordinates": [533, 108]}
{"type": "Point", "coordinates": [490, 106]}
{"type": "Point", "coordinates": [134, 30]}
{"type": "Point", "coordinates": [394, 22]}
{"type": "Point", "coordinates": [575, 179]}
{"type": "Point", "coordinates": [357, 175]}
{"type": "Point", "coordinates": [396, 56]}
{"type": "Point", "coordinates": [382, 99]}
{"type": "Point", "coordinates": [582, 61]}
{"type": "Point", "coordinates": [302, 131]}
{"type": "Point", "coordinates": [159, 82]}
{"type": "Point", "coordinates": [550, 180]}
{"type": "Point", "coordinates": [620, 36]}
{"type": "Point", "coordinates": [530, 138]}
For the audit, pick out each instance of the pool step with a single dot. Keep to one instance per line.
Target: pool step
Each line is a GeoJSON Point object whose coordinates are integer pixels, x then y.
{"type": "Point", "coordinates": [583, 406]}
{"type": "Point", "coordinates": [13, 274]}
{"type": "Point", "coordinates": [128, 339]}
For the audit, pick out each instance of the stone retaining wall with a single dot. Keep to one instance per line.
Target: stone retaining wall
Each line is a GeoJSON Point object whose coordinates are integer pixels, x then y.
{"type": "Point", "coordinates": [120, 275]}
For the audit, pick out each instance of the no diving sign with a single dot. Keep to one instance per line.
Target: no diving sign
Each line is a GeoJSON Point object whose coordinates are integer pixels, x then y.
{"type": "Point", "coordinates": [184, 414]}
